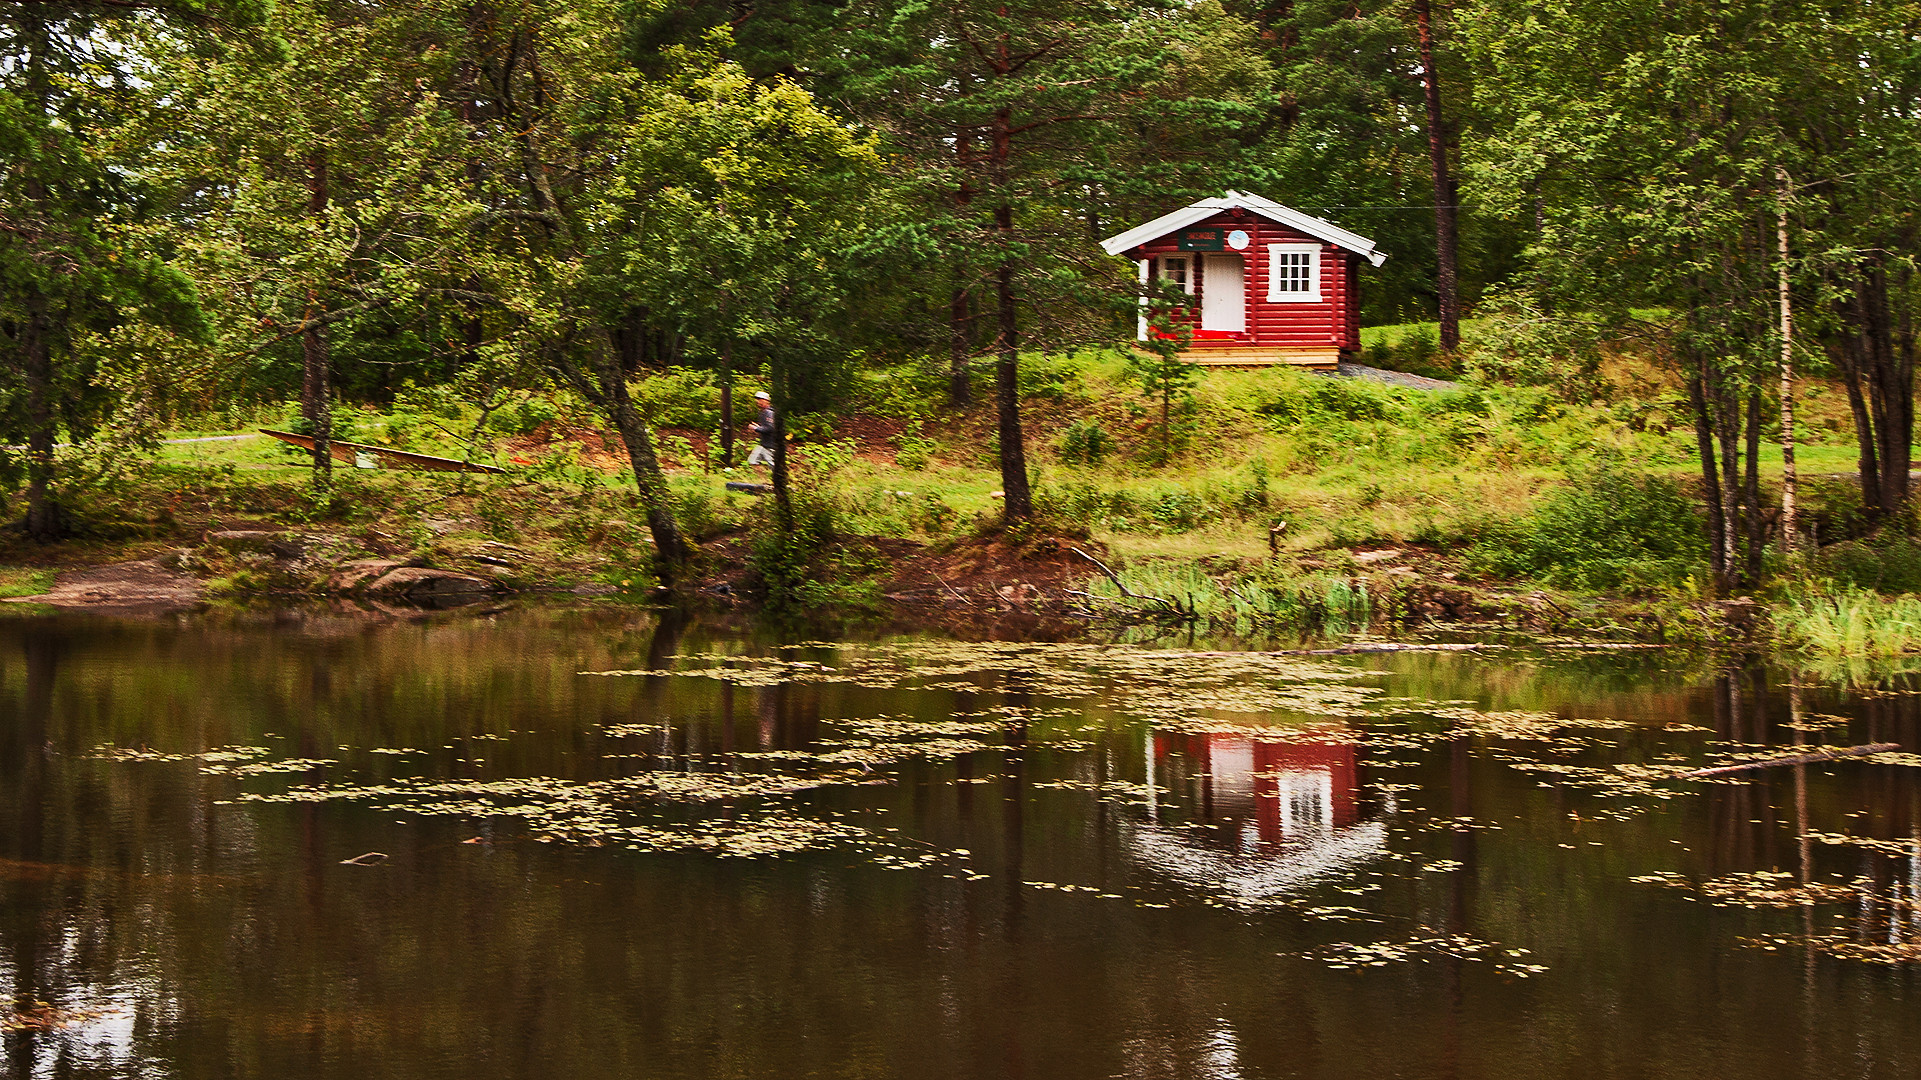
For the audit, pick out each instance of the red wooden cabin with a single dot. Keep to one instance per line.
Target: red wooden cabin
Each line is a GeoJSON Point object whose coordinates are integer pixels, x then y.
{"type": "Point", "coordinates": [1271, 285]}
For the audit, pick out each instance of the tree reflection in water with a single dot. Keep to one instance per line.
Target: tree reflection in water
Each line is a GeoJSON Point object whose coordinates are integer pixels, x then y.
{"type": "Point", "coordinates": [1135, 901]}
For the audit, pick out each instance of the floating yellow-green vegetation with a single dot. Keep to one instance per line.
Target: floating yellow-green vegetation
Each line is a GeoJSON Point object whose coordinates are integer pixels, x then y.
{"type": "Point", "coordinates": [1624, 780]}
{"type": "Point", "coordinates": [1171, 687]}
{"type": "Point", "coordinates": [1841, 947]}
{"type": "Point", "coordinates": [1425, 946]}
{"type": "Point", "coordinates": [624, 812]}
{"type": "Point", "coordinates": [1457, 824]}
{"type": "Point", "coordinates": [222, 761]}
{"type": "Point", "coordinates": [219, 755]}
{"type": "Point", "coordinates": [1755, 889]}
{"type": "Point", "coordinates": [1901, 848]}
{"type": "Point", "coordinates": [1117, 791]}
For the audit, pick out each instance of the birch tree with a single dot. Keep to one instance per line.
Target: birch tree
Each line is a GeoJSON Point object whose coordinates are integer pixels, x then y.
{"type": "Point", "coordinates": [1655, 135]}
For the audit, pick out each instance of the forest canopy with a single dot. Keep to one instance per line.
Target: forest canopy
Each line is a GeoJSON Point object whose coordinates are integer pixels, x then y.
{"type": "Point", "coordinates": [216, 199]}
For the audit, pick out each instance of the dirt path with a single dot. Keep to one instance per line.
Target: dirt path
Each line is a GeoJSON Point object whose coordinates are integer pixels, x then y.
{"type": "Point", "coordinates": [129, 588]}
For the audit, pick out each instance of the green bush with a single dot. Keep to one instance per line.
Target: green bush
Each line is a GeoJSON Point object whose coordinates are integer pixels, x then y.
{"type": "Point", "coordinates": [682, 397]}
{"type": "Point", "coordinates": [1085, 443]}
{"type": "Point", "coordinates": [1056, 378]}
{"type": "Point", "coordinates": [1615, 529]}
{"type": "Point", "coordinates": [1886, 564]}
{"type": "Point", "coordinates": [526, 416]}
{"type": "Point", "coordinates": [1314, 399]}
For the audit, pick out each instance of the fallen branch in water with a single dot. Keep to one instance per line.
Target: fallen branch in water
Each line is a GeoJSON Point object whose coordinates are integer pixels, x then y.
{"type": "Point", "coordinates": [1795, 759]}
{"type": "Point", "coordinates": [1129, 593]}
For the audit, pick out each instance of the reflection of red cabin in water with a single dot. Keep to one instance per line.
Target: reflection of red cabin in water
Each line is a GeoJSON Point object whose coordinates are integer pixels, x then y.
{"type": "Point", "coordinates": [1285, 790]}
{"type": "Point", "coordinates": [1271, 285]}
{"type": "Point", "coordinates": [1275, 816]}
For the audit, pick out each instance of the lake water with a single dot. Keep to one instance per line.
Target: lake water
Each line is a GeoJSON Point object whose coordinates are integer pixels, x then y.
{"type": "Point", "coordinates": [304, 844]}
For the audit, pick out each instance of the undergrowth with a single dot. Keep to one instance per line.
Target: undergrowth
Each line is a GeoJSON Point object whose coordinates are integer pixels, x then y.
{"type": "Point", "coordinates": [1849, 624]}
{"type": "Point", "coordinates": [1242, 603]}
{"type": "Point", "coordinates": [1614, 530]}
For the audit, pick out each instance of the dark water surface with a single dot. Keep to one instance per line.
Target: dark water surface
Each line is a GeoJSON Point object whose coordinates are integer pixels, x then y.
{"type": "Point", "coordinates": [914, 858]}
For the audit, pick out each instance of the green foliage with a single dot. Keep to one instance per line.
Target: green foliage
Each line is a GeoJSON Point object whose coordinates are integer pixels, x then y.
{"type": "Point", "coordinates": [1890, 563]}
{"type": "Point", "coordinates": [685, 397]}
{"type": "Point", "coordinates": [913, 451]}
{"type": "Point", "coordinates": [1417, 352]}
{"type": "Point", "coordinates": [1849, 624]}
{"type": "Point", "coordinates": [1614, 529]}
{"type": "Point", "coordinates": [1257, 600]}
{"type": "Point", "coordinates": [1519, 342]}
{"type": "Point", "coordinates": [1085, 442]}
{"type": "Point", "coordinates": [807, 565]}
{"type": "Point", "coordinates": [703, 514]}
{"type": "Point", "coordinates": [526, 416]}
{"type": "Point", "coordinates": [1158, 508]}
{"type": "Point", "coordinates": [1057, 377]}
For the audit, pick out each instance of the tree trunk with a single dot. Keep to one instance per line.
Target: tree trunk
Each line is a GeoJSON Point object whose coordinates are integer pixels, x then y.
{"type": "Point", "coordinates": [1019, 501]}
{"type": "Point", "coordinates": [1877, 362]}
{"type": "Point", "coordinates": [670, 548]}
{"type": "Point", "coordinates": [316, 390]}
{"type": "Point", "coordinates": [1710, 478]}
{"type": "Point", "coordinates": [727, 405]}
{"type": "Point", "coordinates": [960, 374]}
{"type": "Point", "coordinates": [1283, 33]}
{"type": "Point", "coordinates": [1756, 532]}
{"type": "Point", "coordinates": [1892, 390]}
{"type": "Point", "coordinates": [1728, 427]}
{"type": "Point", "coordinates": [1446, 246]}
{"type": "Point", "coordinates": [960, 305]}
{"type": "Point", "coordinates": [1851, 360]}
{"type": "Point", "coordinates": [44, 522]}
{"type": "Point", "coordinates": [783, 488]}
{"type": "Point", "coordinates": [1789, 481]}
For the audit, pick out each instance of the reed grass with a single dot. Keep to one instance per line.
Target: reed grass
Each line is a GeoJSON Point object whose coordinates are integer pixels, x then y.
{"type": "Point", "coordinates": [1322, 602]}
{"type": "Point", "coordinates": [1852, 624]}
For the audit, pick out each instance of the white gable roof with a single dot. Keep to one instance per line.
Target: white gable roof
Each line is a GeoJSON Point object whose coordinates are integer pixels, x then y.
{"type": "Point", "coordinates": [1267, 208]}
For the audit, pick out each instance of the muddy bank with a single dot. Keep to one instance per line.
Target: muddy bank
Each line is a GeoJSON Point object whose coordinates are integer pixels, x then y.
{"type": "Point", "coordinates": [142, 587]}
{"type": "Point", "coordinates": [1034, 586]}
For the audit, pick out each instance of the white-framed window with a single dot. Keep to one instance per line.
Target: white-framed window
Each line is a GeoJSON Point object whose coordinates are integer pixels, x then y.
{"type": "Point", "coordinates": [1178, 270]}
{"type": "Point", "coordinates": [1293, 273]}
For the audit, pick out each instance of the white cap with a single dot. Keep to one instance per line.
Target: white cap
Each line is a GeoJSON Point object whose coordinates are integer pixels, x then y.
{"type": "Point", "coordinates": [761, 395]}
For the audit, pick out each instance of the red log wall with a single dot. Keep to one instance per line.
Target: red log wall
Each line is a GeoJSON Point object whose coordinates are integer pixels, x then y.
{"type": "Point", "coordinates": [1334, 321]}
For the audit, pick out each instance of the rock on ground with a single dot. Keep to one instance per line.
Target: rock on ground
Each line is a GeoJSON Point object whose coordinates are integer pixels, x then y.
{"type": "Point", "coordinates": [423, 585]}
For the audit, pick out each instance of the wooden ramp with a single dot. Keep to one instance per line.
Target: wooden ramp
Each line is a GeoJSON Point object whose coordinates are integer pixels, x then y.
{"type": "Point", "coordinates": [363, 456]}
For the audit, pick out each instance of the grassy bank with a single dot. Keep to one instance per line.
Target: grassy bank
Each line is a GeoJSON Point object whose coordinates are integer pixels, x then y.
{"type": "Point", "coordinates": [1273, 498]}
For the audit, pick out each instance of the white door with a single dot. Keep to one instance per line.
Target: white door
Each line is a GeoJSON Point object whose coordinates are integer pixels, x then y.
{"type": "Point", "coordinates": [1223, 293]}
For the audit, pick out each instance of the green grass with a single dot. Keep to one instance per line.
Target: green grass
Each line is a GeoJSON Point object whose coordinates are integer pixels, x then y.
{"type": "Point", "coordinates": [24, 581]}
{"type": "Point", "coordinates": [1395, 333]}
{"type": "Point", "coordinates": [1346, 464]}
{"type": "Point", "coordinates": [1850, 625]}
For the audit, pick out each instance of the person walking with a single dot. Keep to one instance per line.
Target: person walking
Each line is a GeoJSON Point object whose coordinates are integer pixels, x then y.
{"type": "Point", "coordinates": [763, 429]}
